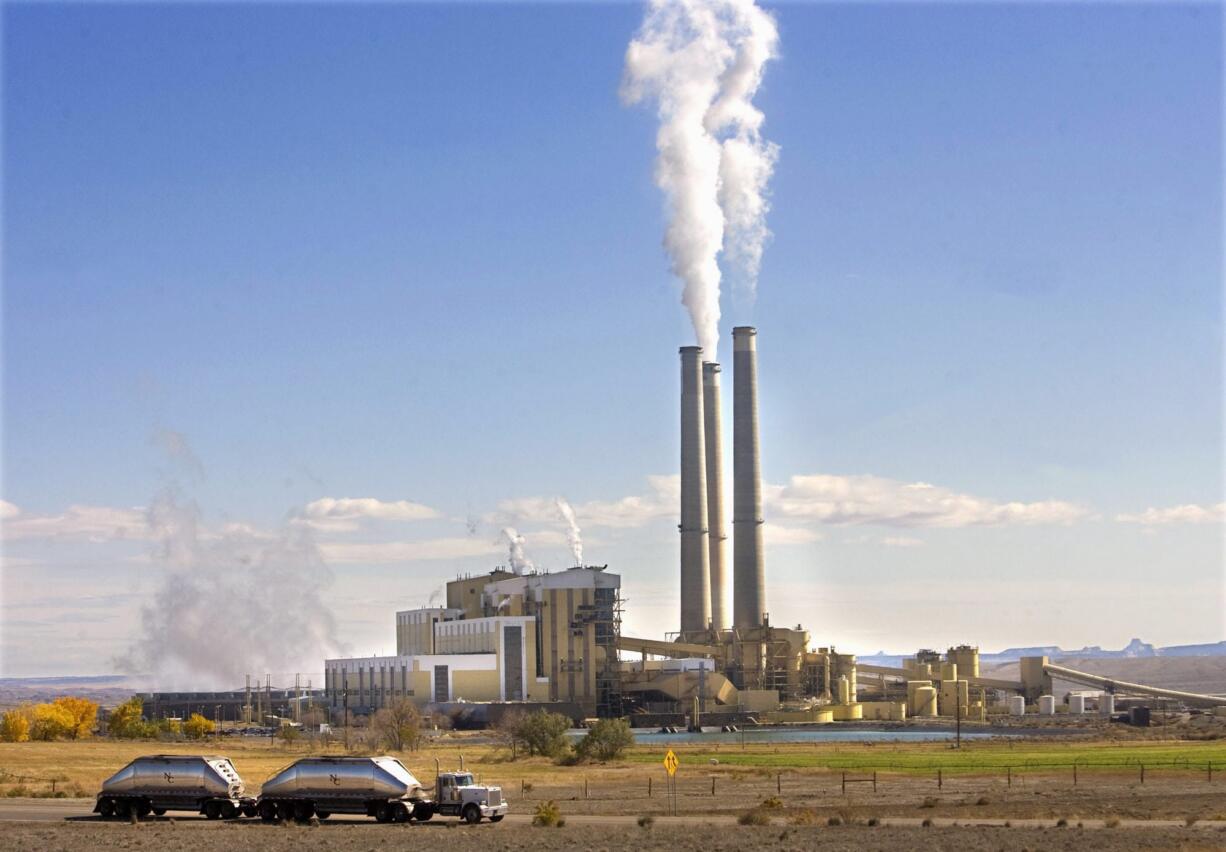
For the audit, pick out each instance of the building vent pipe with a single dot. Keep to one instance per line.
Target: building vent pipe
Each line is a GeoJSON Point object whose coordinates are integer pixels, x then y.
{"type": "Point", "coordinates": [748, 573]}
{"type": "Point", "coordinates": [695, 565]}
{"type": "Point", "coordinates": [717, 531]}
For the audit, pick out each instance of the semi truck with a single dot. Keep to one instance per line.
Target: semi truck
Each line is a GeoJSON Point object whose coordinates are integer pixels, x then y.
{"type": "Point", "coordinates": [158, 783]}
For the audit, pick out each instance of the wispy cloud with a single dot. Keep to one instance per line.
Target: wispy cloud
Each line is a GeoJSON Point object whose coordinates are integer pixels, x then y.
{"type": "Point", "coordinates": [774, 534]}
{"type": "Point", "coordinates": [341, 514]}
{"type": "Point", "coordinates": [383, 552]}
{"type": "Point", "coordinates": [867, 499]}
{"type": "Point", "coordinates": [93, 523]}
{"type": "Point", "coordinates": [902, 541]}
{"type": "Point", "coordinates": [636, 510]}
{"type": "Point", "coordinates": [1187, 514]}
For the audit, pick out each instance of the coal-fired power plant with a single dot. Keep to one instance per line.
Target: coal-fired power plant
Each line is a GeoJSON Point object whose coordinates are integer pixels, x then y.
{"type": "Point", "coordinates": [518, 639]}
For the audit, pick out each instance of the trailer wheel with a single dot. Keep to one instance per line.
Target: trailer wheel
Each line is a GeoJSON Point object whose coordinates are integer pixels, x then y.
{"type": "Point", "coordinates": [472, 814]}
{"type": "Point", "coordinates": [268, 811]}
{"type": "Point", "coordinates": [497, 817]}
{"type": "Point", "coordinates": [422, 812]}
{"type": "Point", "coordinates": [303, 810]}
{"type": "Point", "coordinates": [122, 808]}
{"type": "Point", "coordinates": [250, 810]}
{"type": "Point", "coordinates": [143, 808]}
{"type": "Point", "coordinates": [159, 812]}
{"type": "Point", "coordinates": [383, 812]}
{"type": "Point", "coordinates": [212, 810]}
{"type": "Point", "coordinates": [323, 814]}
{"type": "Point", "coordinates": [228, 811]}
{"type": "Point", "coordinates": [106, 808]}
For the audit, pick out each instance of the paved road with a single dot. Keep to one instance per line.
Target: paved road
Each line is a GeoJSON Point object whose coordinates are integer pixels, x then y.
{"type": "Point", "coordinates": [58, 810]}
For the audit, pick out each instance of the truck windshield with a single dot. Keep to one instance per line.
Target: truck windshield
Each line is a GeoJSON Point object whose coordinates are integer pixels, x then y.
{"type": "Point", "coordinates": [463, 780]}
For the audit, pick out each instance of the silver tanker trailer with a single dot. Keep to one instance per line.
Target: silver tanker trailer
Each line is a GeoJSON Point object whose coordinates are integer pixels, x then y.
{"type": "Point", "coordinates": [321, 786]}
{"type": "Point", "coordinates": [175, 782]}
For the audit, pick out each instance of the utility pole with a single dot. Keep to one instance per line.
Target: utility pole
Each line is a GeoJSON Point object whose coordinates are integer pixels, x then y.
{"type": "Point", "coordinates": [957, 717]}
{"type": "Point", "coordinates": [345, 712]}
{"type": "Point", "coordinates": [247, 706]}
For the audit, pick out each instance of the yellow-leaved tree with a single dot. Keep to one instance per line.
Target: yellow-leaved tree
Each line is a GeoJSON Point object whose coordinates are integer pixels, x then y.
{"type": "Point", "coordinates": [15, 726]}
{"type": "Point", "coordinates": [126, 721]}
{"type": "Point", "coordinates": [197, 727]}
{"type": "Point", "coordinates": [50, 722]}
{"type": "Point", "coordinates": [84, 715]}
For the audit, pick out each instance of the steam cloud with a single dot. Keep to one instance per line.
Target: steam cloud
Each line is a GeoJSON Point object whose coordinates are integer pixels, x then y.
{"type": "Point", "coordinates": [573, 538]}
{"type": "Point", "coordinates": [515, 551]}
{"type": "Point", "coordinates": [702, 62]}
{"type": "Point", "coordinates": [230, 602]}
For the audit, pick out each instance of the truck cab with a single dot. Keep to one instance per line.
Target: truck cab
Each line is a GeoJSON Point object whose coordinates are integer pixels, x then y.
{"type": "Point", "coordinates": [458, 794]}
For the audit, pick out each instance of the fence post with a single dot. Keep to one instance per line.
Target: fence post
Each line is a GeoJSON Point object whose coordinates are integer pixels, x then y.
{"type": "Point", "coordinates": [585, 786]}
{"type": "Point", "coordinates": [712, 785]}
{"type": "Point", "coordinates": [649, 786]}
{"type": "Point", "coordinates": [874, 780]}
{"type": "Point", "coordinates": [1142, 773]}
{"type": "Point", "coordinates": [778, 783]}
{"type": "Point", "coordinates": [844, 783]}
{"type": "Point", "coordinates": [1074, 773]}
{"type": "Point", "coordinates": [1009, 769]}
{"type": "Point", "coordinates": [1209, 769]}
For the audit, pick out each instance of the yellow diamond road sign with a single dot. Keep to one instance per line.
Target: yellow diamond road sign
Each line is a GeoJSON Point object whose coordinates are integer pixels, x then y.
{"type": "Point", "coordinates": [670, 762]}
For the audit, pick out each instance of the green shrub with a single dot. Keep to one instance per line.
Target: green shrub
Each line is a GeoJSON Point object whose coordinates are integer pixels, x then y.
{"type": "Point", "coordinates": [547, 814]}
{"type": "Point", "coordinates": [542, 733]}
{"type": "Point", "coordinates": [606, 740]}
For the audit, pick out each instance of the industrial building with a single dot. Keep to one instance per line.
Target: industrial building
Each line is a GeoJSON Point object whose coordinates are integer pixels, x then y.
{"type": "Point", "coordinates": [555, 638]}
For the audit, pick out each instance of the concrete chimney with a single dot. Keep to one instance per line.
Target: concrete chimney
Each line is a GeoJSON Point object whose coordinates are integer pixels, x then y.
{"type": "Point", "coordinates": [717, 531]}
{"type": "Point", "coordinates": [695, 565]}
{"type": "Point", "coordinates": [748, 573]}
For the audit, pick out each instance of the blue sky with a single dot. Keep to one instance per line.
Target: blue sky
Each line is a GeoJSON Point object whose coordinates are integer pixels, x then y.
{"type": "Point", "coordinates": [268, 255]}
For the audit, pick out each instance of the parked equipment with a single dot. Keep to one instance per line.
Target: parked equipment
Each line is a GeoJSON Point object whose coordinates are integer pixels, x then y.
{"type": "Point", "coordinates": [174, 782]}
{"type": "Point", "coordinates": [380, 787]}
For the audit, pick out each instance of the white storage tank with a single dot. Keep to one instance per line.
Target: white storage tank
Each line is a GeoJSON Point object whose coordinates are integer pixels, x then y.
{"type": "Point", "coordinates": [1017, 705]}
{"type": "Point", "coordinates": [844, 690]}
{"type": "Point", "coordinates": [925, 701]}
{"type": "Point", "coordinates": [1076, 705]}
{"type": "Point", "coordinates": [1047, 705]}
{"type": "Point", "coordinates": [1106, 704]}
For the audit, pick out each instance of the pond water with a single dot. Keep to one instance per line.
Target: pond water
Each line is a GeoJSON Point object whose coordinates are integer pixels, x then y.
{"type": "Point", "coordinates": [831, 734]}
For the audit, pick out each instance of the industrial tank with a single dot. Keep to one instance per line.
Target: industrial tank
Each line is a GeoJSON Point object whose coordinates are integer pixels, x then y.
{"type": "Point", "coordinates": [343, 777]}
{"type": "Point", "coordinates": [1047, 705]}
{"type": "Point", "coordinates": [1076, 705]}
{"type": "Point", "coordinates": [160, 774]}
{"type": "Point", "coordinates": [925, 701]}
{"type": "Point", "coordinates": [1106, 704]}
{"type": "Point", "coordinates": [1017, 705]}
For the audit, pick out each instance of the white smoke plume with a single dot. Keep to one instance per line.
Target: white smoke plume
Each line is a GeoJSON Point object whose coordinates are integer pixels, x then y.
{"type": "Point", "coordinates": [573, 538]}
{"type": "Point", "coordinates": [230, 602]}
{"type": "Point", "coordinates": [702, 62]}
{"type": "Point", "coordinates": [515, 551]}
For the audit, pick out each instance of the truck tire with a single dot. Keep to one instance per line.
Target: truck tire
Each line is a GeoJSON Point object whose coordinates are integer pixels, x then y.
{"type": "Point", "coordinates": [400, 812]}
{"type": "Point", "coordinates": [472, 814]}
{"type": "Point", "coordinates": [268, 811]}
{"type": "Point", "coordinates": [250, 810]}
{"type": "Point", "coordinates": [123, 808]}
{"type": "Point", "coordinates": [228, 810]}
{"type": "Point", "coordinates": [422, 812]}
{"type": "Point", "coordinates": [106, 808]}
{"type": "Point", "coordinates": [323, 814]}
{"type": "Point", "coordinates": [159, 812]}
{"type": "Point", "coordinates": [304, 810]}
{"type": "Point", "coordinates": [497, 817]}
{"type": "Point", "coordinates": [212, 810]}
{"type": "Point", "coordinates": [143, 808]}
{"type": "Point", "coordinates": [383, 812]}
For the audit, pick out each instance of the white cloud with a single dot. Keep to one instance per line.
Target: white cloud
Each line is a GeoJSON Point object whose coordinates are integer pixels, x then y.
{"type": "Point", "coordinates": [8, 510]}
{"type": "Point", "coordinates": [340, 514]}
{"type": "Point", "coordinates": [866, 499]}
{"type": "Point", "coordinates": [385, 552]}
{"type": "Point", "coordinates": [95, 523]}
{"type": "Point", "coordinates": [902, 541]}
{"type": "Point", "coordinates": [1187, 514]}
{"type": "Point", "coordinates": [635, 510]}
{"type": "Point", "coordinates": [773, 534]}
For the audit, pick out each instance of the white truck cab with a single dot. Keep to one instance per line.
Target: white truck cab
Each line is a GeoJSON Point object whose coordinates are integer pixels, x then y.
{"type": "Point", "coordinates": [458, 794]}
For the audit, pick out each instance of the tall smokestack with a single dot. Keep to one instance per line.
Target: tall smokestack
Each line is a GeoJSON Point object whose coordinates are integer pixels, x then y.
{"type": "Point", "coordinates": [717, 535]}
{"type": "Point", "coordinates": [695, 579]}
{"type": "Point", "coordinates": [748, 573]}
